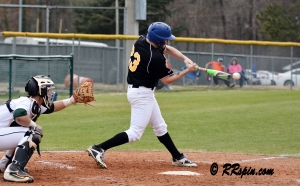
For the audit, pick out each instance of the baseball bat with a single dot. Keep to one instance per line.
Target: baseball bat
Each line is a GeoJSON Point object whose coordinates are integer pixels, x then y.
{"type": "Point", "coordinates": [216, 73]}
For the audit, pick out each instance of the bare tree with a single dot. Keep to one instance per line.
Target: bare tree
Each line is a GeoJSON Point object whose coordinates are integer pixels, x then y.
{"type": "Point", "coordinates": [223, 19]}
{"type": "Point", "coordinates": [226, 19]}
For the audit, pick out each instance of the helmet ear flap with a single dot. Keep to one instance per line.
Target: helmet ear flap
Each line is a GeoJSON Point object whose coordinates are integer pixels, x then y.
{"type": "Point", "coordinates": [31, 87]}
{"type": "Point", "coordinates": [158, 32]}
{"type": "Point", "coordinates": [26, 87]}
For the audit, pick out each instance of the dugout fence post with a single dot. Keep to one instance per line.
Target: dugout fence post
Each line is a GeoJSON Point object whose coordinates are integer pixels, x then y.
{"type": "Point", "coordinates": [10, 79]}
{"type": "Point", "coordinates": [212, 59]}
{"type": "Point", "coordinates": [291, 85]}
{"type": "Point", "coordinates": [71, 73]}
{"type": "Point", "coordinates": [251, 60]}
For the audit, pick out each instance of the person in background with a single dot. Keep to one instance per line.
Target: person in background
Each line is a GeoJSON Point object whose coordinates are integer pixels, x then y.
{"type": "Point", "coordinates": [77, 80]}
{"type": "Point", "coordinates": [235, 67]}
{"type": "Point", "coordinates": [218, 65]}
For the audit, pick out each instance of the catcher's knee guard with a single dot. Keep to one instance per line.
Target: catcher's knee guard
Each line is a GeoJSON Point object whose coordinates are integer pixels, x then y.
{"type": "Point", "coordinates": [35, 140]}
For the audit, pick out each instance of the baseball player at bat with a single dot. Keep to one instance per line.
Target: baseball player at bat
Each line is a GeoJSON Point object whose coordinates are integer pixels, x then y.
{"type": "Point", "coordinates": [147, 65]}
{"type": "Point", "coordinates": [20, 135]}
{"type": "Point", "coordinates": [218, 65]}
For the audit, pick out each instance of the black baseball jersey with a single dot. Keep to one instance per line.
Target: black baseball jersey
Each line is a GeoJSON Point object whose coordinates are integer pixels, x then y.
{"type": "Point", "coordinates": [146, 64]}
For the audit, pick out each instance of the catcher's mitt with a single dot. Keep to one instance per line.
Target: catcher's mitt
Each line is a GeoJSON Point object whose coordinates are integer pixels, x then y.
{"type": "Point", "coordinates": [84, 93]}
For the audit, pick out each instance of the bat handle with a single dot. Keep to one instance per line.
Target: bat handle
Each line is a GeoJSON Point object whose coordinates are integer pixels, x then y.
{"type": "Point", "coordinates": [200, 68]}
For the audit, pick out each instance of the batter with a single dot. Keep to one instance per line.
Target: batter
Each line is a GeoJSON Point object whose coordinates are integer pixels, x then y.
{"type": "Point", "coordinates": [147, 65]}
{"type": "Point", "coordinates": [19, 133]}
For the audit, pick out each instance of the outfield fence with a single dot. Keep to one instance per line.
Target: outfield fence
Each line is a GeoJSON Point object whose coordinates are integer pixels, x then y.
{"type": "Point", "coordinates": [107, 66]}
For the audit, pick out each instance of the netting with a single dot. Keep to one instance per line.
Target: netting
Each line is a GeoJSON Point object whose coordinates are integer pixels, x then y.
{"type": "Point", "coordinates": [17, 69]}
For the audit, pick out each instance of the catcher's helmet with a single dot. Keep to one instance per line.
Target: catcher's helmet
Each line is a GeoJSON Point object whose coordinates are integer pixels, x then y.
{"type": "Point", "coordinates": [40, 85]}
{"type": "Point", "coordinates": [158, 32]}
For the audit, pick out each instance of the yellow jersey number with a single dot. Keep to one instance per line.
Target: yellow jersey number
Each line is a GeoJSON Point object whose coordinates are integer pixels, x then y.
{"type": "Point", "coordinates": [133, 64]}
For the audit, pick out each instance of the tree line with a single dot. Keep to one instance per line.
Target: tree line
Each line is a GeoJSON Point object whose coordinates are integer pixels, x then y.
{"type": "Point", "coordinates": [271, 20]}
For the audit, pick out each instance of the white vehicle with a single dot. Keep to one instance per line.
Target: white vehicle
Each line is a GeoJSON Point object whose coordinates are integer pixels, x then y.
{"type": "Point", "coordinates": [261, 77]}
{"type": "Point", "coordinates": [252, 77]}
{"type": "Point", "coordinates": [284, 79]}
{"type": "Point", "coordinates": [293, 65]}
{"type": "Point", "coordinates": [266, 78]}
{"type": "Point", "coordinates": [43, 41]}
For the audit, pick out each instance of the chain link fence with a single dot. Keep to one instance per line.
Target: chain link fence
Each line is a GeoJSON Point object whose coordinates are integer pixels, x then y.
{"type": "Point", "coordinates": [107, 66]}
{"type": "Point", "coordinates": [17, 69]}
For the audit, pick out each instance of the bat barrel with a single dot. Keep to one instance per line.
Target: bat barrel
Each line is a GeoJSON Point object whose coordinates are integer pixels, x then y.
{"type": "Point", "coordinates": [216, 73]}
{"type": "Point", "coordinates": [223, 75]}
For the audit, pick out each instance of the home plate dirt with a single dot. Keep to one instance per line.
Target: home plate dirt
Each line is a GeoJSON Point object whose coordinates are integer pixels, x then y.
{"type": "Point", "coordinates": [143, 168]}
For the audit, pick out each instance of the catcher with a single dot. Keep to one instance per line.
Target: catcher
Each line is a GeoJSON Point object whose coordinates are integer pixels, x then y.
{"type": "Point", "coordinates": [20, 135]}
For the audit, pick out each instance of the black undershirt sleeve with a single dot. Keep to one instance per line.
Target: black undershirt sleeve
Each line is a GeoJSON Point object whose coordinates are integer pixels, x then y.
{"type": "Point", "coordinates": [49, 110]}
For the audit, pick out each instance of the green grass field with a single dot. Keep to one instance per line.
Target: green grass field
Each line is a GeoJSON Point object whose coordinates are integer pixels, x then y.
{"type": "Point", "coordinates": [239, 121]}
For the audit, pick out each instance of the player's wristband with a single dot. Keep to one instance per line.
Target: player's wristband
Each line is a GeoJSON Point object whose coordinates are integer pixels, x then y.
{"type": "Point", "coordinates": [69, 101]}
{"type": "Point", "coordinates": [32, 124]}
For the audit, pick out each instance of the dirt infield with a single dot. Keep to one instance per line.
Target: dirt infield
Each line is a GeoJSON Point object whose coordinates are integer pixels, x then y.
{"type": "Point", "coordinates": [146, 168]}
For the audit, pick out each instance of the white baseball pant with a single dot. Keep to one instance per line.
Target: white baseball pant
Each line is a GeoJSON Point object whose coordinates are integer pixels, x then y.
{"type": "Point", "coordinates": [144, 110]}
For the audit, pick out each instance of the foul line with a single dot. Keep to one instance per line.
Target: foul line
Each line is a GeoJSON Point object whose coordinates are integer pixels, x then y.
{"type": "Point", "coordinates": [196, 161]}
{"type": "Point", "coordinates": [242, 161]}
{"type": "Point", "coordinates": [290, 155]}
{"type": "Point", "coordinates": [260, 159]}
{"type": "Point", "coordinates": [59, 165]}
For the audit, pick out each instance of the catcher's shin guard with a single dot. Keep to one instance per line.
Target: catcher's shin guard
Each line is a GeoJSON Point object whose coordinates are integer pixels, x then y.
{"type": "Point", "coordinates": [23, 153]}
{"type": "Point", "coordinates": [8, 160]}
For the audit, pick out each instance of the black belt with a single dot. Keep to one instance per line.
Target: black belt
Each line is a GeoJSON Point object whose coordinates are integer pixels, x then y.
{"type": "Point", "coordinates": [137, 86]}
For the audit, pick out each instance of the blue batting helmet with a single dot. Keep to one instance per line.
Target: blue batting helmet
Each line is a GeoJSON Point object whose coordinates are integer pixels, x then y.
{"type": "Point", "coordinates": [158, 32]}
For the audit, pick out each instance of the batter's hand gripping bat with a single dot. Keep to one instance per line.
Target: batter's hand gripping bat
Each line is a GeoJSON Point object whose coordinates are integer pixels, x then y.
{"type": "Point", "coordinates": [216, 73]}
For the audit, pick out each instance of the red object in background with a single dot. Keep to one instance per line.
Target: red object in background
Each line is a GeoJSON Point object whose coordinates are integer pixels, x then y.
{"type": "Point", "coordinates": [76, 79]}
